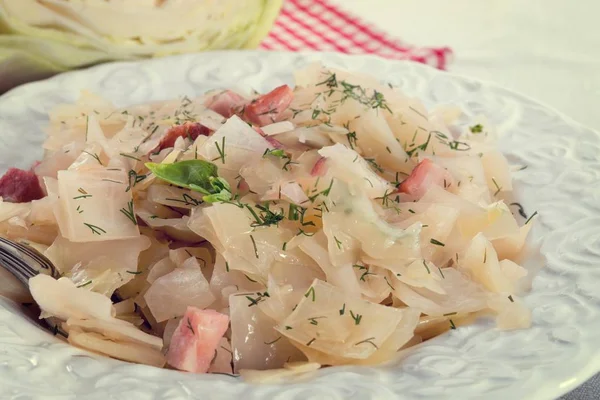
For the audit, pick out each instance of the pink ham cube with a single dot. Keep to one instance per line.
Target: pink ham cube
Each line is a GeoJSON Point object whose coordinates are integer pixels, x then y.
{"type": "Point", "coordinates": [267, 109]}
{"type": "Point", "coordinates": [423, 176]}
{"type": "Point", "coordinates": [19, 186]}
{"type": "Point", "coordinates": [196, 338]}
{"type": "Point", "coordinates": [226, 103]}
{"type": "Point", "coordinates": [190, 130]}
{"type": "Point", "coordinates": [320, 167]}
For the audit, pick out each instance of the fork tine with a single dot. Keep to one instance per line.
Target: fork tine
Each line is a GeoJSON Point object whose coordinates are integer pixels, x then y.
{"type": "Point", "coordinates": [23, 261]}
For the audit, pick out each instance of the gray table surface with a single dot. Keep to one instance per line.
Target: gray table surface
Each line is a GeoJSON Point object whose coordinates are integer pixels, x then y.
{"type": "Point", "coordinates": [589, 390]}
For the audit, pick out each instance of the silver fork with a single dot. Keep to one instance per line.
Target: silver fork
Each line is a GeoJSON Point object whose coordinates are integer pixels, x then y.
{"type": "Point", "coordinates": [25, 262]}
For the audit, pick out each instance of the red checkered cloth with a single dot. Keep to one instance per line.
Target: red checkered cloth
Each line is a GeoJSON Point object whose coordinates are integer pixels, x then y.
{"type": "Point", "coordinates": [320, 25]}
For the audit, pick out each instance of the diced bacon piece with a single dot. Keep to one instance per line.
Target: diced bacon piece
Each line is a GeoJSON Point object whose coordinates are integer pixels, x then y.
{"type": "Point", "coordinates": [320, 167]}
{"type": "Point", "coordinates": [189, 129]}
{"type": "Point", "coordinates": [226, 103]}
{"type": "Point", "coordinates": [19, 186]}
{"type": "Point", "coordinates": [267, 108]}
{"type": "Point", "coordinates": [195, 340]}
{"type": "Point", "coordinates": [243, 186]}
{"type": "Point", "coordinates": [425, 174]}
{"type": "Point", "coordinates": [272, 141]}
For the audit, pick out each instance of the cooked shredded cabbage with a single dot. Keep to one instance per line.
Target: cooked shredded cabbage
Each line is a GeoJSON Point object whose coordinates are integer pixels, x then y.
{"type": "Point", "coordinates": [353, 223]}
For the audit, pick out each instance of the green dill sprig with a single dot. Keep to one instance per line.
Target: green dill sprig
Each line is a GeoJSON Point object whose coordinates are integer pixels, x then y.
{"type": "Point", "coordinates": [303, 232]}
{"type": "Point", "coordinates": [388, 283]}
{"type": "Point", "coordinates": [365, 275]}
{"type": "Point", "coordinates": [351, 136]}
{"type": "Point", "coordinates": [279, 153]}
{"type": "Point", "coordinates": [254, 245]}
{"type": "Point", "coordinates": [498, 188]}
{"type": "Point", "coordinates": [221, 151]}
{"type": "Point", "coordinates": [134, 179]}
{"type": "Point", "coordinates": [436, 242]}
{"type": "Point", "coordinates": [324, 192]}
{"type": "Point", "coordinates": [129, 213]}
{"type": "Point", "coordinates": [521, 210]}
{"type": "Point", "coordinates": [358, 93]}
{"type": "Point", "coordinates": [273, 341]}
{"type": "Point", "coordinates": [385, 199]}
{"type": "Point", "coordinates": [96, 230]}
{"type": "Point", "coordinates": [338, 243]}
{"type": "Point", "coordinates": [330, 82]}
{"type": "Point", "coordinates": [112, 181]}
{"type": "Point", "coordinates": [129, 156]}
{"type": "Point", "coordinates": [530, 218]}
{"type": "Point", "coordinates": [459, 146]}
{"type": "Point", "coordinates": [374, 164]}
{"type": "Point", "coordinates": [84, 194]}
{"type": "Point", "coordinates": [368, 340]}
{"type": "Point", "coordinates": [356, 317]}
{"type": "Point", "coordinates": [419, 113]}
{"type": "Point", "coordinates": [93, 155]}
{"type": "Point", "coordinates": [347, 90]}
{"type": "Point", "coordinates": [311, 293]}
{"type": "Point", "coordinates": [255, 300]}
{"type": "Point", "coordinates": [295, 111]}
{"type": "Point", "coordinates": [441, 273]}
{"type": "Point", "coordinates": [476, 128]}
{"type": "Point", "coordinates": [266, 217]}
{"type": "Point", "coordinates": [328, 190]}
{"type": "Point", "coordinates": [313, 320]}
{"type": "Point", "coordinates": [422, 147]}
{"type": "Point", "coordinates": [426, 267]}
{"type": "Point", "coordinates": [186, 199]}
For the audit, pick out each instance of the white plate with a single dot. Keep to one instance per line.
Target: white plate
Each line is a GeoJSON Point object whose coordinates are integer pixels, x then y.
{"type": "Point", "coordinates": [562, 182]}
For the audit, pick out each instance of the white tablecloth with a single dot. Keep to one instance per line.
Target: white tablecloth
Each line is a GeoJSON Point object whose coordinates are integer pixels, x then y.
{"type": "Point", "coordinates": [546, 49]}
